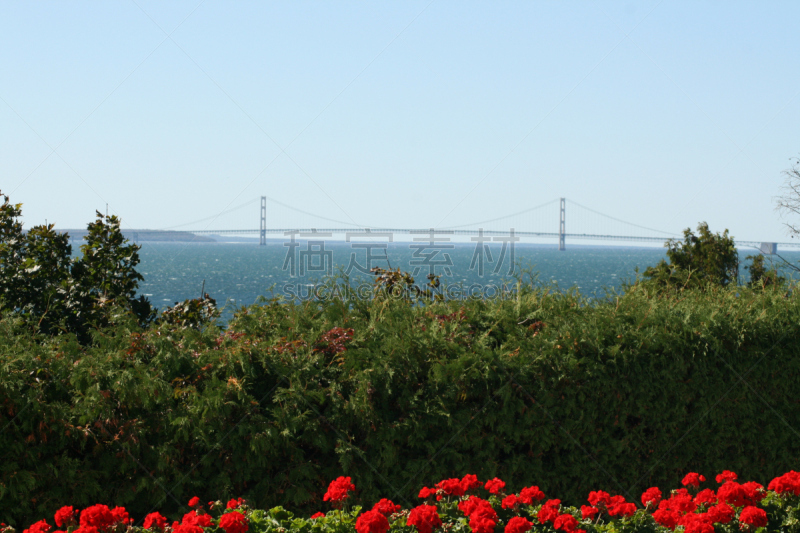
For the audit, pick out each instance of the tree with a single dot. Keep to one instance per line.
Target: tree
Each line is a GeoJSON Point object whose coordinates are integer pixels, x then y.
{"type": "Point", "coordinates": [43, 284]}
{"type": "Point", "coordinates": [702, 259]}
{"type": "Point", "coordinates": [789, 201]}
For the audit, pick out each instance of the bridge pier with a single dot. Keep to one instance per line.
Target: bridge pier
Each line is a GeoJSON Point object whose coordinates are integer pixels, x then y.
{"type": "Point", "coordinates": [561, 229]}
{"type": "Point", "coordinates": [262, 241]}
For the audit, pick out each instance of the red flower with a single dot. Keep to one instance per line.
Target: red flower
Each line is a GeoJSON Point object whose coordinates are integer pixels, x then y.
{"type": "Point", "coordinates": [39, 527]}
{"type": "Point", "coordinates": [469, 482]}
{"type": "Point", "coordinates": [753, 517]}
{"type": "Point", "coordinates": [622, 509]}
{"type": "Point", "coordinates": [726, 475]}
{"type": "Point", "coordinates": [667, 517]}
{"type": "Point", "coordinates": [451, 487]}
{"type": "Point", "coordinates": [549, 511]}
{"type": "Point", "coordinates": [426, 492]}
{"type": "Point", "coordinates": [235, 522]}
{"type": "Point", "coordinates": [193, 519]}
{"type": "Point", "coordinates": [518, 524]}
{"type": "Point", "coordinates": [469, 505]}
{"type": "Point", "coordinates": [705, 496]}
{"type": "Point", "coordinates": [599, 497]}
{"type": "Point", "coordinates": [155, 519]}
{"type": "Point", "coordinates": [480, 524]}
{"type": "Point", "coordinates": [121, 516]}
{"type": "Point", "coordinates": [696, 523]}
{"type": "Point", "coordinates": [425, 518]}
{"type": "Point", "coordinates": [194, 502]}
{"type": "Point", "coordinates": [494, 486]}
{"type": "Point", "coordinates": [754, 492]}
{"type": "Point", "coordinates": [235, 503]}
{"type": "Point", "coordinates": [722, 513]}
{"type": "Point", "coordinates": [589, 513]}
{"type": "Point", "coordinates": [788, 483]}
{"type": "Point", "coordinates": [565, 522]}
{"type": "Point", "coordinates": [98, 516]}
{"type": "Point", "coordinates": [509, 502]}
{"type": "Point", "coordinates": [185, 528]}
{"type": "Point", "coordinates": [86, 529]}
{"type": "Point", "coordinates": [681, 502]}
{"type": "Point", "coordinates": [651, 496]}
{"type": "Point", "coordinates": [65, 516]}
{"type": "Point", "coordinates": [530, 494]}
{"type": "Point", "coordinates": [386, 507]}
{"type": "Point", "coordinates": [372, 522]}
{"type": "Point", "coordinates": [338, 489]}
{"type": "Point", "coordinates": [733, 494]}
{"type": "Point", "coordinates": [693, 479]}
{"type": "Point", "coordinates": [317, 515]}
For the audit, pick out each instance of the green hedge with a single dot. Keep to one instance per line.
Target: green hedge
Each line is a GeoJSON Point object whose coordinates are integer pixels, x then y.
{"type": "Point", "coordinates": [546, 388]}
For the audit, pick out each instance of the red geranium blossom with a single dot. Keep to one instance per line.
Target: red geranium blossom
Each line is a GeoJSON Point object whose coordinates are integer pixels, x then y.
{"type": "Point", "coordinates": [754, 492]}
{"type": "Point", "coordinates": [235, 522]}
{"type": "Point", "coordinates": [696, 523]}
{"type": "Point", "coordinates": [597, 497]}
{"type": "Point", "coordinates": [705, 496]}
{"type": "Point", "coordinates": [733, 494]}
{"type": "Point", "coordinates": [426, 492]}
{"type": "Point", "coordinates": [651, 496]}
{"type": "Point", "coordinates": [483, 518]}
{"type": "Point", "coordinates": [469, 482]}
{"type": "Point", "coordinates": [680, 501]}
{"type": "Point", "coordinates": [788, 483]}
{"type": "Point", "coordinates": [693, 479]}
{"type": "Point", "coordinates": [98, 516]}
{"type": "Point", "coordinates": [469, 505]}
{"type": "Point", "coordinates": [565, 522]}
{"type": "Point", "coordinates": [494, 486]}
{"type": "Point", "coordinates": [155, 519]}
{"type": "Point", "coordinates": [386, 507]}
{"type": "Point", "coordinates": [666, 517]}
{"type": "Point", "coordinates": [235, 503]}
{"type": "Point", "coordinates": [372, 522]}
{"type": "Point", "coordinates": [39, 527]}
{"type": "Point", "coordinates": [65, 516]}
{"type": "Point", "coordinates": [317, 515]}
{"type": "Point", "coordinates": [425, 518]}
{"type": "Point", "coordinates": [185, 528]}
{"type": "Point", "coordinates": [588, 512]}
{"type": "Point", "coordinates": [530, 494]}
{"type": "Point", "coordinates": [726, 475]}
{"type": "Point", "coordinates": [192, 518]}
{"type": "Point", "coordinates": [518, 524]}
{"type": "Point", "coordinates": [194, 502]}
{"type": "Point", "coordinates": [338, 489]}
{"type": "Point", "coordinates": [549, 511]}
{"type": "Point", "coordinates": [121, 516]}
{"type": "Point", "coordinates": [451, 487]}
{"type": "Point", "coordinates": [753, 517]}
{"type": "Point", "coordinates": [509, 502]}
{"type": "Point", "coordinates": [722, 513]}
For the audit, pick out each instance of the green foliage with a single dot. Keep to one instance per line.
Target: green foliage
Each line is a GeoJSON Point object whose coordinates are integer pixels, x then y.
{"type": "Point", "coordinates": [41, 283]}
{"type": "Point", "coordinates": [546, 388]}
{"type": "Point", "coordinates": [761, 276]}
{"type": "Point", "coordinates": [701, 260]}
{"type": "Point", "coordinates": [193, 313]}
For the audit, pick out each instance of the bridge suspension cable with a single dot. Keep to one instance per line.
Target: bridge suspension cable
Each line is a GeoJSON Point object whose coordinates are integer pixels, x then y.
{"type": "Point", "coordinates": [620, 220]}
{"type": "Point", "coordinates": [474, 224]}
{"type": "Point", "coordinates": [212, 217]}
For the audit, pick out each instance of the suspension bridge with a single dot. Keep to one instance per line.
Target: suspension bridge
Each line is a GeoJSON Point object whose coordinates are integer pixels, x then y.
{"type": "Point", "coordinates": [545, 221]}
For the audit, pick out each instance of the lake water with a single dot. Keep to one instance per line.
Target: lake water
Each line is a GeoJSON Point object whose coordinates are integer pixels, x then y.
{"type": "Point", "coordinates": [238, 273]}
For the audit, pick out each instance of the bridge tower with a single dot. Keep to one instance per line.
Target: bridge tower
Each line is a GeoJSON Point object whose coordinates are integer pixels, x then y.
{"type": "Point", "coordinates": [561, 226]}
{"type": "Point", "coordinates": [263, 231]}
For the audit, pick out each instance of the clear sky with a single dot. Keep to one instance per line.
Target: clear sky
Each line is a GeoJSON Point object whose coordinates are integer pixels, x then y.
{"type": "Point", "coordinates": [418, 114]}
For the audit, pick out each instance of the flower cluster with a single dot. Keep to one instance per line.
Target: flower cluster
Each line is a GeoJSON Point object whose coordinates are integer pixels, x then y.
{"type": "Point", "coordinates": [732, 506]}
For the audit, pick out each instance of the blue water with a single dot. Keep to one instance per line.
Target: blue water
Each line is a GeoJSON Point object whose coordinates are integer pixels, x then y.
{"type": "Point", "coordinates": [238, 273]}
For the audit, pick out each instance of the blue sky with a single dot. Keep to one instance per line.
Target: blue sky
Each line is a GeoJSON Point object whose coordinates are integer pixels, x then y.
{"type": "Point", "coordinates": [400, 114]}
